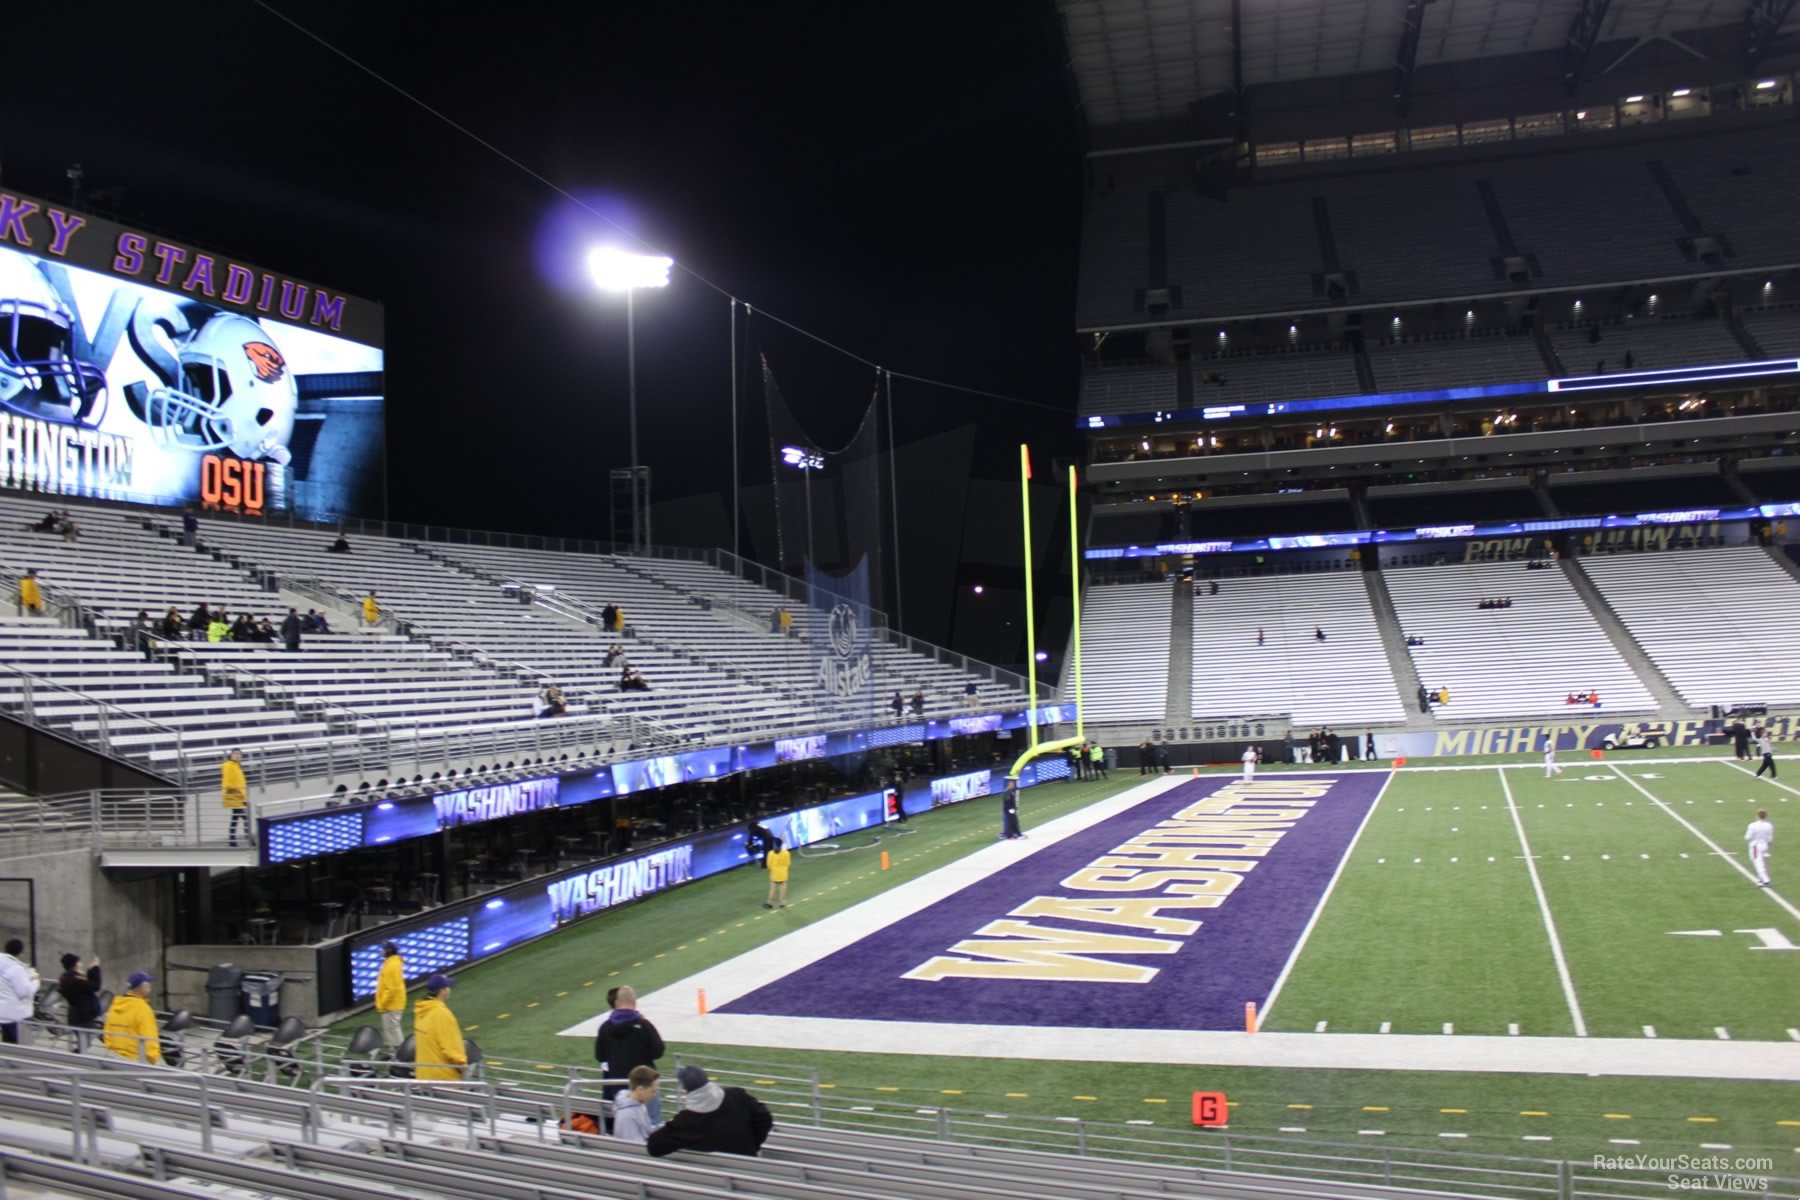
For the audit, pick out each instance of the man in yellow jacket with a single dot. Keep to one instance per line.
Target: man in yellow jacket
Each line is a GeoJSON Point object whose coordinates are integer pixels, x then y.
{"type": "Point", "coordinates": [778, 860]}
{"type": "Point", "coordinates": [234, 793]}
{"type": "Point", "coordinates": [437, 1035]}
{"type": "Point", "coordinates": [371, 610]}
{"type": "Point", "coordinates": [31, 596]}
{"type": "Point", "coordinates": [390, 996]}
{"type": "Point", "coordinates": [130, 1029]}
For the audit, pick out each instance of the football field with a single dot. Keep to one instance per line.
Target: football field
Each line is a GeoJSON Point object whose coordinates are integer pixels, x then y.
{"type": "Point", "coordinates": [1613, 900]}
{"type": "Point", "coordinates": [1479, 905]}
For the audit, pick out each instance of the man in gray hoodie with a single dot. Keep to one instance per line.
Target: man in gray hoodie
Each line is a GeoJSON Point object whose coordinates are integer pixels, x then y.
{"type": "Point", "coordinates": [713, 1118]}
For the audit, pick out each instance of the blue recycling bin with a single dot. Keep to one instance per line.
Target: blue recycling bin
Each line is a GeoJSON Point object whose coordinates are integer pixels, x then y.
{"type": "Point", "coordinates": [262, 997]}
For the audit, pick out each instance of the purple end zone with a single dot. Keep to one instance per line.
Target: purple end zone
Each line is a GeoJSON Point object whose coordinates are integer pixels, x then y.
{"type": "Point", "coordinates": [1235, 956]}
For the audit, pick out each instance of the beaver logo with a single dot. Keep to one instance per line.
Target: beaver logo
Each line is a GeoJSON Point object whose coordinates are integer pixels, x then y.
{"type": "Point", "coordinates": [270, 366]}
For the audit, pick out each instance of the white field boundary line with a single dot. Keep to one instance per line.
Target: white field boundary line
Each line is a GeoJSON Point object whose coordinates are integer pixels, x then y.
{"type": "Point", "coordinates": [1724, 855]}
{"type": "Point", "coordinates": [1409, 768]}
{"type": "Point", "coordinates": [1537, 885]}
{"type": "Point", "coordinates": [1268, 1003]}
{"type": "Point", "coordinates": [1733, 763]}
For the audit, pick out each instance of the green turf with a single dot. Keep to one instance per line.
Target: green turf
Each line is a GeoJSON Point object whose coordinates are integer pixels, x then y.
{"type": "Point", "coordinates": [1413, 944]}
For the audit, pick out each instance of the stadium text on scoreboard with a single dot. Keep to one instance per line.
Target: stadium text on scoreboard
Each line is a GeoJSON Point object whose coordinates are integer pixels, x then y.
{"type": "Point", "coordinates": [149, 371]}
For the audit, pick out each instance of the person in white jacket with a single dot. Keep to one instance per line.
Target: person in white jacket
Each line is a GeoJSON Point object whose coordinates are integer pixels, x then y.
{"type": "Point", "coordinates": [1760, 836]}
{"type": "Point", "coordinates": [631, 1111]}
{"type": "Point", "coordinates": [18, 991]}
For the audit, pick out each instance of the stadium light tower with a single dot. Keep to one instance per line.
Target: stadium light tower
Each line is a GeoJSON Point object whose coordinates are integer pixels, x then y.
{"type": "Point", "coordinates": [806, 461]}
{"type": "Point", "coordinates": [615, 270]}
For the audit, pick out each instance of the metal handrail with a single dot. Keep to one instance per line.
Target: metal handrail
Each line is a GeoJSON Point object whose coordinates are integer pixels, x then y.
{"type": "Point", "coordinates": [32, 683]}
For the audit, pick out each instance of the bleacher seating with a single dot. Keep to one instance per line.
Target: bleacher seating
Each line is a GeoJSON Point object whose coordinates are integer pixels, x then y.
{"type": "Point", "coordinates": [1125, 634]}
{"type": "Point", "coordinates": [1458, 362]}
{"type": "Point", "coordinates": [1341, 681]}
{"type": "Point", "coordinates": [1284, 375]}
{"type": "Point", "coordinates": [1120, 390]}
{"type": "Point", "coordinates": [1654, 343]}
{"type": "Point", "coordinates": [1522, 661]}
{"type": "Point", "coordinates": [1777, 331]}
{"type": "Point", "coordinates": [459, 679]}
{"type": "Point", "coordinates": [1717, 623]}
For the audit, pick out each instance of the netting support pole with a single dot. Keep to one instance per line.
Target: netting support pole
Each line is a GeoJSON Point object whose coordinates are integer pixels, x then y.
{"type": "Point", "coordinates": [734, 439]}
{"type": "Point", "coordinates": [894, 496]}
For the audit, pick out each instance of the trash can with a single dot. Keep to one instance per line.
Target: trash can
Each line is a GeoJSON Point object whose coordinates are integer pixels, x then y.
{"type": "Point", "coordinates": [262, 997]}
{"type": "Point", "coordinates": [223, 984]}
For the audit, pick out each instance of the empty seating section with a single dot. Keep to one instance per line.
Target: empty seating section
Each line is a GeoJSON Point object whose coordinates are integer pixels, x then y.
{"type": "Point", "coordinates": [1426, 366]}
{"type": "Point", "coordinates": [1522, 661]}
{"type": "Point", "coordinates": [1590, 217]}
{"type": "Point", "coordinates": [1255, 252]}
{"type": "Point", "coordinates": [1296, 375]}
{"type": "Point", "coordinates": [1717, 623]}
{"type": "Point", "coordinates": [1587, 211]}
{"type": "Point", "coordinates": [1125, 651]}
{"type": "Point", "coordinates": [1653, 344]}
{"type": "Point", "coordinates": [1451, 253]}
{"type": "Point", "coordinates": [1405, 506]}
{"type": "Point", "coordinates": [1343, 680]}
{"type": "Point", "coordinates": [1129, 390]}
{"type": "Point", "coordinates": [1777, 331]}
{"type": "Point", "coordinates": [1776, 480]}
{"type": "Point", "coordinates": [1242, 521]}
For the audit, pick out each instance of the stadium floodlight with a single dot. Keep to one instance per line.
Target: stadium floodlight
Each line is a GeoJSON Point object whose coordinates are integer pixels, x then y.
{"type": "Point", "coordinates": [1678, 93]}
{"type": "Point", "coordinates": [1763, 85]}
{"type": "Point", "coordinates": [616, 270]}
{"type": "Point", "coordinates": [1634, 99]}
{"type": "Point", "coordinates": [806, 460]}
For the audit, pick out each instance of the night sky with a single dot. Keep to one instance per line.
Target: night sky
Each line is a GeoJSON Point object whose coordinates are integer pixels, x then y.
{"type": "Point", "coordinates": [904, 182]}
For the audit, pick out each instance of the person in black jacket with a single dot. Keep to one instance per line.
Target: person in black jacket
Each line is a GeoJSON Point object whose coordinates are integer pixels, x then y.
{"type": "Point", "coordinates": [627, 1040]}
{"type": "Point", "coordinates": [290, 630]}
{"type": "Point", "coordinates": [722, 1120]}
{"type": "Point", "coordinates": [82, 992]}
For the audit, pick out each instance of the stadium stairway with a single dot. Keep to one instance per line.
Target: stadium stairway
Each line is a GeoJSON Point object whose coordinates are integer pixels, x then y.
{"type": "Point", "coordinates": [1667, 698]}
{"type": "Point", "coordinates": [1180, 705]}
{"type": "Point", "coordinates": [1406, 672]}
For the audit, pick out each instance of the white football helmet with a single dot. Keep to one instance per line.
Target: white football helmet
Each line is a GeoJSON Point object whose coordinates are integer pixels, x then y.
{"type": "Point", "coordinates": [39, 373]}
{"type": "Point", "coordinates": [236, 392]}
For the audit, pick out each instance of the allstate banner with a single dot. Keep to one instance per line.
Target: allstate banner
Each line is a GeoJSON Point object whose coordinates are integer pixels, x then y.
{"type": "Point", "coordinates": [844, 669]}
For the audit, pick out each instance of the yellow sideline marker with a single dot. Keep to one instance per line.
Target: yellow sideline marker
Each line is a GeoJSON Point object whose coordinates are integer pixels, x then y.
{"type": "Point", "coordinates": [884, 860]}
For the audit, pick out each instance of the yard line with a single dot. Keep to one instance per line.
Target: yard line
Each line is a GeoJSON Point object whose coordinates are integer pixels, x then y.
{"type": "Point", "coordinates": [1387, 1025]}
{"type": "Point", "coordinates": [1287, 968]}
{"type": "Point", "coordinates": [1746, 770]}
{"type": "Point", "coordinates": [1720, 1032]}
{"type": "Point", "coordinates": [1794, 1034]}
{"type": "Point", "coordinates": [1537, 885]}
{"type": "Point", "coordinates": [1737, 866]}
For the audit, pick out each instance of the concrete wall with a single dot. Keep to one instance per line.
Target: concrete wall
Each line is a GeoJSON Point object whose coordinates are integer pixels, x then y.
{"type": "Point", "coordinates": [185, 986]}
{"type": "Point", "coordinates": [123, 917]}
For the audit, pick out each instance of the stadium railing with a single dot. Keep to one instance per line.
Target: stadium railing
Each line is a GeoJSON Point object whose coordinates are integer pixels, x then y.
{"type": "Point", "coordinates": [32, 688]}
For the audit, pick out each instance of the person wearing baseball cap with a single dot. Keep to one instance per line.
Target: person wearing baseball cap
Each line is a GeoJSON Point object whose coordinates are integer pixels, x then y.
{"type": "Point", "coordinates": [437, 1035]}
{"type": "Point", "coordinates": [130, 1029]}
{"type": "Point", "coordinates": [390, 996]}
{"type": "Point", "coordinates": [724, 1120]}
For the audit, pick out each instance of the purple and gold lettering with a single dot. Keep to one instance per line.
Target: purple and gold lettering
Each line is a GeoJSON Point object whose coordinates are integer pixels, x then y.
{"type": "Point", "coordinates": [238, 283]}
{"type": "Point", "coordinates": [200, 277]}
{"type": "Point", "coordinates": [62, 227]}
{"type": "Point", "coordinates": [130, 258]}
{"type": "Point", "coordinates": [327, 309]}
{"type": "Point", "coordinates": [263, 297]}
{"type": "Point", "coordinates": [13, 212]}
{"type": "Point", "coordinates": [293, 299]}
{"type": "Point", "coordinates": [171, 257]}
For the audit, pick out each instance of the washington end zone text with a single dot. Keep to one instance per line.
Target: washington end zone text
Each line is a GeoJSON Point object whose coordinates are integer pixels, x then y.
{"type": "Point", "coordinates": [619, 883]}
{"type": "Point", "coordinates": [1142, 889]}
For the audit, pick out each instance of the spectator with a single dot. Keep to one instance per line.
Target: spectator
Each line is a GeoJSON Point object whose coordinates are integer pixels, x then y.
{"type": "Point", "coordinates": [1424, 699]}
{"type": "Point", "coordinates": [80, 990]}
{"type": "Point", "coordinates": [437, 1035]}
{"type": "Point", "coordinates": [50, 524]}
{"type": "Point", "coordinates": [554, 705]}
{"type": "Point", "coordinates": [341, 546]}
{"type": "Point", "coordinates": [31, 596]}
{"type": "Point", "coordinates": [18, 991]}
{"type": "Point", "coordinates": [616, 654]}
{"type": "Point", "coordinates": [899, 705]}
{"type": "Point", "coordinates": [315, 622]}
{"type": "Point", "coordinates": [234, 793]}
{"type": "Point", "coordinates": [609, 618]}
{"type": "Point", "coordinates": [778, 860]}
{"type": "Point", "coordinates": [141, 633]}
{"type": "Point", "coordinates": [1009, 812]}
{"type": "Point", "coordinates": [290, 630]}
{"type": "Point", "coordinates": [262, 630]}
{"type": "Point", "coordinates": [1369, 746]}
{"type": "Point", "coordinates": [130, 1029]}
{"type": "Point", "coordinates": [970, 689]}
{"type": "Point", "coordinates": [1629, 360]}
{"type": "Point", "coordinates": [218, 630]}
{"type": "Point", "coordinates": [1443, 695]}
{"type": "Point", "coordinates": [172, 626]}
{"type": "Point", "coordinates": [241, 629]}
{"type": "Point", "coordinates": [1097, 757]}
{"type": "Point", "coordinates": [787, 620]}
{"type": "Point", "coordinates": [632, 1121]}
{"type": "Point", "coordinates": [618, 624]}
{"type": "Point", "coordinates": [1259, 635]}
{"type": "Point", "coordinates": [390, 996]}
{"type": "Point", "coordinates": [1318, 633]}
{"type": "Point", "coordinates": [190, 528]}
{"type": "Point", "coordinates": [1146, 758]}
{"type": "Point", "coordinates": [632, 681]}
{"type": "Point", "coordinates": [918, 702]}
{"type": "Point", "coordinates": [1162, 758]}
{"type": "Point", "coordinates": [625, 1042]}
{"type": "Point", "coordinates": [70, 530]}
{"type": "Point", "coordinates": [371, 610]}
{"type": "Point", "coordinates": [712, 1118]}
{"type": "Point", "coordinates": [200, 622]}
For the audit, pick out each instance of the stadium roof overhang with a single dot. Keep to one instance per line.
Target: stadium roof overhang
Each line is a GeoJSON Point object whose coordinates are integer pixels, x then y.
{"type": "Point", "coordinates": [1142, 66]}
